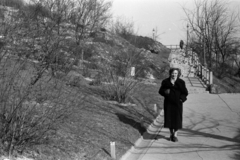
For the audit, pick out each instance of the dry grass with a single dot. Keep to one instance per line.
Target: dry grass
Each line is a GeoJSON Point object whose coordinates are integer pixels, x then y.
{"type": "Point", "coordinates": [91, 128]}
{"type": "Point", "coordinates": [95, 122]}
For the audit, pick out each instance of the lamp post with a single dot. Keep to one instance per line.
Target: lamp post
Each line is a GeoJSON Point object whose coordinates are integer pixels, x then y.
{"type": "Point", "coordinates": [203, 25]}
{"type": "Point", "coordinates": [203, 41]}
{"type": "Point", "coordinates": [153, 34]}
{"type": "Point", "coordinates": [204, 44]}
{"type": "Point", "coordinates": [207, 36]}
{"type": "Point", "coordinates": [187, 41]}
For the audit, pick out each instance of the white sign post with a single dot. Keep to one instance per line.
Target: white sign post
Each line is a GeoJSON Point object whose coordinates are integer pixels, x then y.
{"type": "Point", "coordinates": [113, 150]}
{"type": "Point", "coordinates": [132, 71]}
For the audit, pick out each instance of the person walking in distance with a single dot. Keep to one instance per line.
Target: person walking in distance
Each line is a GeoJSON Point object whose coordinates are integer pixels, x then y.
{"type": "Point", "coordinates": [181, 44]}
{"type": "Point", "coordinates": [174, 91]}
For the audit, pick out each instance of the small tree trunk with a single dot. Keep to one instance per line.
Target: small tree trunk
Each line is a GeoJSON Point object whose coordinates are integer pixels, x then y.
{"type": "Point", "coordinates": [82, 55]}
{"type": "Point", "coordinates": [11, 145]}
{"type": "Point", "coordinates": [81, 61]}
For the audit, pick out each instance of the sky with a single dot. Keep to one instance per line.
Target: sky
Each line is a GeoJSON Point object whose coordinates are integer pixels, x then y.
{"type": "Point", "coordinates": [165, 16]}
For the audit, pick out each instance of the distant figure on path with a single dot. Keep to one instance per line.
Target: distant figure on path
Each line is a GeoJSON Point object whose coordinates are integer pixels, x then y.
{"type": "Point", "coordinates": [181, 44]}
{"type": "Point", "coordinates": [174, 91]}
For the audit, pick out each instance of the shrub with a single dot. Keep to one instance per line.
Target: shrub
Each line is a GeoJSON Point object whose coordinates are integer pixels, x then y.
{"type": "Point", "coordinates": [96, 81]}
{"type": "Point", "coordinates": [76, 80]}
{"type": "Point", "coordinates": [86, 72]}
{"type": "Point", "coordinates": [12, 3]}
{"type": "Point", "coordinates": [120, 89]}
{"type": "Point", "coordinates": [30, 114]}
{"type": "Point", "coordinates": [119, 83]}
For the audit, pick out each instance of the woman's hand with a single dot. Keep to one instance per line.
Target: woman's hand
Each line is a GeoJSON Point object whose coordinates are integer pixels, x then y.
{"type": "Point", "coordinates": [167, 91]}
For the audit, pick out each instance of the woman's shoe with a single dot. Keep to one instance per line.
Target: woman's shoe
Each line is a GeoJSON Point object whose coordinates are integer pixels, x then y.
{"type": "Point", "coordinates": [171, 138]}
{"type": "Point", "coordinates": [175, 139]}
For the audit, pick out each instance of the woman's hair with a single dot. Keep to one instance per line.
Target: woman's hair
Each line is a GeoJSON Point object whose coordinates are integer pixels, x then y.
{"type": "Point", "coordinates": [173, 69]}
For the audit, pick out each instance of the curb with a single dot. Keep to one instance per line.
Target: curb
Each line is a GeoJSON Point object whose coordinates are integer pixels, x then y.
{"type": "Point", "coordinates": [150, 129]}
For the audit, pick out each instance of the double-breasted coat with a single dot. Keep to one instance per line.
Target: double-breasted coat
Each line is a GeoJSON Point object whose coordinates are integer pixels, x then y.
{"type": "Point", "coordinates": [173, 102]}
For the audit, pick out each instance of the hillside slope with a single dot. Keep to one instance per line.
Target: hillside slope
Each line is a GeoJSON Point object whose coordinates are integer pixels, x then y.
{"type": "Point", "coordinates": [46, 72]}
{"type": "Point", "coordinates": [151, 56]}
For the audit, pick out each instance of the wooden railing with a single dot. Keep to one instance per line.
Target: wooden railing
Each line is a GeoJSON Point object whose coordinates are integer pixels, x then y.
{"type": "Point", "coordinates": [203, 72]}
{"type": "Point", "coordinates": [174, 47]}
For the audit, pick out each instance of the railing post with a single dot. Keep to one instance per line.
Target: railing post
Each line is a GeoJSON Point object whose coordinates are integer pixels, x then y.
{"type": "Point", "coordinates": [207, 77]}
{"type": "Point", "coordinates": [204, 73]}
{"type": "Point", "coordinates": [201, 71]}
{"type": "Point", "coordinates": [196, 71]}
{"type": "Point", "coordinates": [210, 77]}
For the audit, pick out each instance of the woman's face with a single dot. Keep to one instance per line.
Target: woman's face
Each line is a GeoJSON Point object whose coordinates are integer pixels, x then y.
{"type": "Point", "coordinates": [174, 74]}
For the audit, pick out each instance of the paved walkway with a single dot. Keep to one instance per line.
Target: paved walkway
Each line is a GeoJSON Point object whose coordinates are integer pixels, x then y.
{"type": "Point", "coordinates": [211, 130]}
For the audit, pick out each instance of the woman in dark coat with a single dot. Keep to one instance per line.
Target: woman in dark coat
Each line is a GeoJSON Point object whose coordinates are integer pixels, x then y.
{"type": "Point", "coordinates": [174, 91]}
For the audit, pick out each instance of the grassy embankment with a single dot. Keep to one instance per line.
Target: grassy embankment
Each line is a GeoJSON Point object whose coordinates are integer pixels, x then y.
{"type": "Point", "coordinates": [93, 122]}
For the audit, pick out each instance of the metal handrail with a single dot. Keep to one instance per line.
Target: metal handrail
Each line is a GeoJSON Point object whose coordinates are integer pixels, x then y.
{"type": "Point", "coordinates": [204, 73]}
{"type": "Point", "coordinates": [201, 71]}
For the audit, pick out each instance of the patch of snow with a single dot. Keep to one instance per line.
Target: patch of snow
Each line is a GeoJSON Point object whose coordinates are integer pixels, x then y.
{"type": "Point", "coordinates": [89, 79]}
{"type": "Point", "coordinates": [18, 158]}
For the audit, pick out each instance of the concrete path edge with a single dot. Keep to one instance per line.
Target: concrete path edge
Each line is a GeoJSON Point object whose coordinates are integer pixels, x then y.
{"type": "Point", "coordinates": [140, 140]}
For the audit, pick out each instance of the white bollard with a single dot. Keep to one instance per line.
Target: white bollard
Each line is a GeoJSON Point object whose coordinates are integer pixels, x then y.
{"type": "Point", "coordinates": [113, 150]}
{"type": "Point", "coordinates": [155, 108]}
{"type": "Point", "coordinates": [132, 71]}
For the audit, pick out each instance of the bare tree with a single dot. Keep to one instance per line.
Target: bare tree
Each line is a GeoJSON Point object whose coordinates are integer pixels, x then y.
{"type": "Point", "coordinates": [116, 72]}
{"type": "Point", "coordinates": [213, 25]}
{"type": "Point", "coordinates": [32, 102]}
{"type": "Point", "coordinates": [87, 16]}
{"type": "Point", "coordinates": [12, 3]}
{"type": "Point", "coordinates": [123, 28]}
{"type": "Point", "coordinates": [47, 29]}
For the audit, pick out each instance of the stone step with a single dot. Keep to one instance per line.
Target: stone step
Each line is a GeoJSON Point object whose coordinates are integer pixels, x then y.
{"type": "Point", "coordinates": [198, 92]}
{"type": "Point", "coordinates": [195, 88]}
{"type": "Point", "coordinates": [191, 75]}
{"type": "Point", "coordinates": [193, 84]}
{"type": "Point", "coordinates": [200, 87]}
{"type": "Point", "coordinates": [197, 85]}
{"type": "Point", "coordinates": [191, 90]}
{"type": "Point", "coordinates": [189, 82]}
